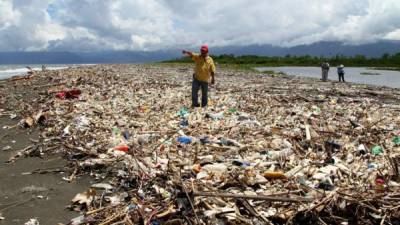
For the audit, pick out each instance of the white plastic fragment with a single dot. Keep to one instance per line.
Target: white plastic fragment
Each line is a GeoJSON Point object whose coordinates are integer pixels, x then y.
{"type": "Point", "coordinates": [32, 221]}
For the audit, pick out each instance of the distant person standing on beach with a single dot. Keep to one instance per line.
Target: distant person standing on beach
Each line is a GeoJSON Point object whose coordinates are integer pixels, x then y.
{"type": "Point", "coordinates": [204, 73]}
{"type": "Point", "coordinates": [340, 72]}
{"type": "Point", "coordinates": [325, 71]}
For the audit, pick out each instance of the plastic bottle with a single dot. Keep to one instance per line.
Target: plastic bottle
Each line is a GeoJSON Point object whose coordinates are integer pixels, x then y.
{"type": "Point", "coordinates": [240, 163]}
{"type": "Point", "coordinates": [116, 137]}
{"type": "Point", "coordinates": [183, 123]}
{"type": "Point", "coordinates": [144, 138]}
{"type": "Point", "coordinates": [217, 168]}
{"type": "Point", "coordinates": [232, 110]}
{"type": "Point", "coordinates": [196, 168]}
{"type": "Point", "coordinates": [204, 140]}
{"type": "Point", "coordinates": [183, 112]}
{"type": "Point", "coordinates": [332, 145]}
{"type": "Point", "coordinates": [275, 155]}
{"type": "Point", "coordinates": [361, 149]}
{"type": "Point", "coordinates": [215, 116]}
{"type": "Point", "coordinates": [184, 139]}
{"type": "Point", "coordinates": [380, 184]}
{"type": "Point", "coordinates": [126, 135]}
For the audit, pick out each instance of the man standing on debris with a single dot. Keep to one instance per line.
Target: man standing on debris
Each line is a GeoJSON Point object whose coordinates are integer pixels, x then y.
{"type": "Point", "coordinates": [204, 71]}
{"type": "Point", "coordinates": [325, 71]}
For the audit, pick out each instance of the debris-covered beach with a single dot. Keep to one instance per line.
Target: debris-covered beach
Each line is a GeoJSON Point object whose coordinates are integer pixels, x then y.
{"type": "Point", "coordinates": [267, 150]}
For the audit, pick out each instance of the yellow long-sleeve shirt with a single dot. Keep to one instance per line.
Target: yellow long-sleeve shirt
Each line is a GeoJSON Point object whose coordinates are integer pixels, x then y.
{"type": "Point", "coordinates": [203, 68]}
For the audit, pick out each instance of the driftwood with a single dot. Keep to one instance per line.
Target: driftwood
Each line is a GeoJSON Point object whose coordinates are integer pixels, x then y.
{"type": "Point", "coordinates": [49, 85]}
{"type": "Point", "coordinates": [253, 197]}
{"type": "Point", "coordinates": [23, 152]}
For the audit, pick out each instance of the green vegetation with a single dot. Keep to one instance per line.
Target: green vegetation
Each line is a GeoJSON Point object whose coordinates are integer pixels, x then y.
{"type": "Point", "coordinates": [369, 73]}
{"type": "Point", "coordinates": [231, 66]}
{"type": "Point", "coordinates": [274, 73]}
{"type": "Point", "coordinates": [385, 68]}
{"type": "Point", "coordinates": [251, 61]}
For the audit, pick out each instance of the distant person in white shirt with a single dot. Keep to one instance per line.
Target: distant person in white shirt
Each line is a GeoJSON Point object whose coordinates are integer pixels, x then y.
{"type": "Point", "coordinates": [340, 72]}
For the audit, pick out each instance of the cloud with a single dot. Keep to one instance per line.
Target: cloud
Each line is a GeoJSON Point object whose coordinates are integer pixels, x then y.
{"type": "Point", "coordinates": [378, 21]}
{"type": "Point", "coordinates": [394, 35]}
{"type": "Point", "coordinates": [130, 25]}
{"type": "Point", "coordinates": [25, 25]}
{"type": "Point", "coordinates": [90, 25]}
{"type": "Point", "coordinates": [7, 15]}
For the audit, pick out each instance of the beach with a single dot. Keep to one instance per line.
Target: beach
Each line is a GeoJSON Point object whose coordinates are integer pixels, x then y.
{"type": "Point", "coordinates": [29, 188]}
{"type": "Point", "coordinates": [125, 138]}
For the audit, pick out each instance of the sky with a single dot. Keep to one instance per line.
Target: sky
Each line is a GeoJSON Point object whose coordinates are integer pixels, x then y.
{"type": "Point", "coordinates": [147, 25]}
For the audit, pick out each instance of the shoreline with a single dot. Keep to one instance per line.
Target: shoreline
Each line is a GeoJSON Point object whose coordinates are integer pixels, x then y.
{"type": "Point", "coordinates": [239, 68]}
{"type": "Point", "coordinates": [32, 186]}
{"type": "Point", "coordinates": [271, 70]}
{"type": "Point", "coordinates": [20, 70]}
{"type": "Point", "coordinates": [260, 113]}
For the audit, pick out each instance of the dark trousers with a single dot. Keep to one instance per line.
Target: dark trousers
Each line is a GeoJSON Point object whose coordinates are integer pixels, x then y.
{"type": "Point", "coordinates": [325, 74]}
{"type": "Point", "coordinates": [341, 77]}
{"type": "Point", "coordinates": [196, 85]}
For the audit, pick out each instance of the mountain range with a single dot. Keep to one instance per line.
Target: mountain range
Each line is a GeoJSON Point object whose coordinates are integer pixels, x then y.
{"type": "Point", "coordinates": [326, 49]}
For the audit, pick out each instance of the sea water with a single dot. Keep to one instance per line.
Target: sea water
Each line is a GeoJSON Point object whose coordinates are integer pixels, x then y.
{"type": "Point", "coordinates": [361, 75]}
{"type": "Point", "coordinates": [7, 71]}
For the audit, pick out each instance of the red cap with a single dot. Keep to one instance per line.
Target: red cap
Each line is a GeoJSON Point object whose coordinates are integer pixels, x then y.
{"type": "Point", "coordinates": [204, 48]}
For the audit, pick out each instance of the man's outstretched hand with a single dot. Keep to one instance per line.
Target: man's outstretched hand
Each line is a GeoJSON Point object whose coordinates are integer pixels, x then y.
{"type": "Point", "coordinates": [187, 53]}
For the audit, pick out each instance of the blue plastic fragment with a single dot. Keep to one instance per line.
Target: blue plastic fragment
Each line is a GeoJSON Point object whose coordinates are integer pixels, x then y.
{"type": "Point", "coordinates": [184, 139]}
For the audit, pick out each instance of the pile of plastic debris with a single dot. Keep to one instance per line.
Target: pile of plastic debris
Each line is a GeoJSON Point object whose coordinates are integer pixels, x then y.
{"type": "Point", "coordinates": [267, 150]}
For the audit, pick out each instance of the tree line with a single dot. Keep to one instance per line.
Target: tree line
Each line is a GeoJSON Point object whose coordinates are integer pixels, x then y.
{"type": "Point", "coordinates": [386, 60]}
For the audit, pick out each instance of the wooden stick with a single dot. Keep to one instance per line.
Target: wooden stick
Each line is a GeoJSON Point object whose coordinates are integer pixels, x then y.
{"type": "Point", "coordinates": [323, 201]}
{"type": "Point", "coordinates": [20, 153]}
{"type": "Point", "coordinates": [190, 201]}
{"type": "Point", "coordinates": [323, 222]}
{"type": "Point", "coordinates": [112, 219]}
{"type": "Point", "coordinates": [17, 204]}
{"type": "Point", "coordinates": [308, 133]}
{"type": "Point", "coordinates": [128, 220]}
{"type": "Point", "coordinates": [73, 175]}
{"type": "Point", "coordinates": [255, 197]}
{"type": "Point", "coordinates": [383, 220]}
{"type": "Point", "coordinates": [49, 85]}
{"type": "Point", "coordinates": [97, 210]}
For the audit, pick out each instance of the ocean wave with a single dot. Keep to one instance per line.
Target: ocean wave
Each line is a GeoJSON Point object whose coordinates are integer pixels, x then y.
{"type": "Point", "coordinates": [7, 71]}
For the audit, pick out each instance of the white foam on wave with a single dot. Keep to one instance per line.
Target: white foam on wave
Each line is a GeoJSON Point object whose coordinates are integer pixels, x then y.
{"type": "Point", "coordinates": [24, 70]}
{"type": "Point", "coordinates": [9, 71]}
